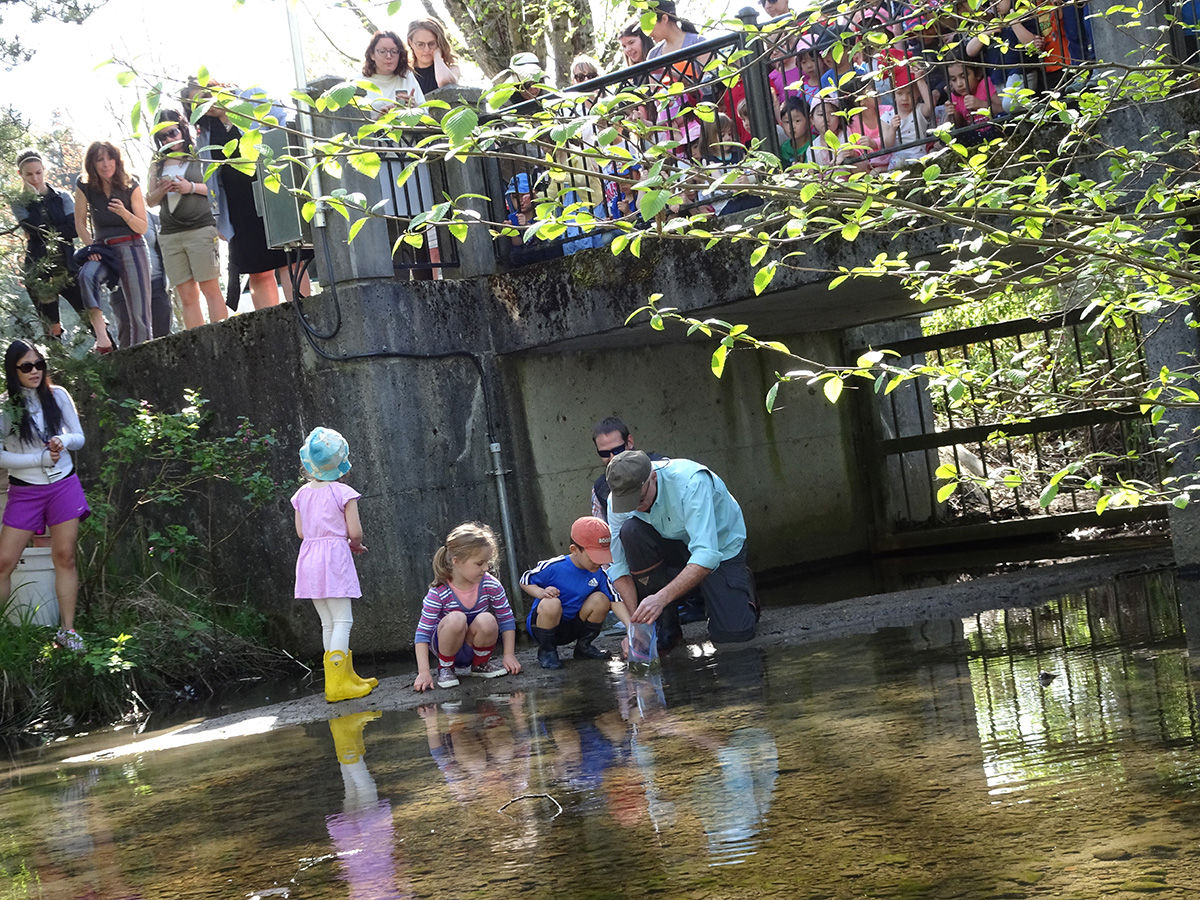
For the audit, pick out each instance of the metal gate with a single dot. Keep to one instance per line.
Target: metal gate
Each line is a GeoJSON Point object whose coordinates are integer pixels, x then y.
{"type": "Point", "coordinates": [1048, 370]}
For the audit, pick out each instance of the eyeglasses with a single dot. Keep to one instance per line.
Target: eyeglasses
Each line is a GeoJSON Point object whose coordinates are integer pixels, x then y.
{"type": "Point", "coordinates": [423, 45]}
{"type": "Point", "coordinates": [605, 454]}
{"type": "Point", "coordinates": [169, 132]}
{"type": "Point", "coordinates": [26, 368]}
{"type": "Point", "coordinates": [583, 76]}
{"type": "Point", "coordinates": [389, 51]}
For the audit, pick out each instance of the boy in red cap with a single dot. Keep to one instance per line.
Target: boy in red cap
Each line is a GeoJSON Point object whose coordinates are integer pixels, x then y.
{"type": "Point", "coordinates": [572, 595]}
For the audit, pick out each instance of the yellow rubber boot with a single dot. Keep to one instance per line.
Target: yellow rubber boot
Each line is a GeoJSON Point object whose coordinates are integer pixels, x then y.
{"type": "Point", "coordinates": [338, 685]}
{"type": "Point", "coordinates": [347, 734]}
{"type": "Point", "coordinates": [355, 677]}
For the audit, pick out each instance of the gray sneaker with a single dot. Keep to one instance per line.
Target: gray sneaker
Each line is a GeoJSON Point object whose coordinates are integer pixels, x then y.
{"type": "Point", "coordinates": [490, 669]}
{"type": "Point", "coordinates": [69, 639]}
{"type": "Point", "coordinates": [446, 677]}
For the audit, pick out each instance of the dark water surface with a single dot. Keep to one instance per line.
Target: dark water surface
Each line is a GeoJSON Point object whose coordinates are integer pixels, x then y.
{"type": "Point", "coordinates": [922, 762]}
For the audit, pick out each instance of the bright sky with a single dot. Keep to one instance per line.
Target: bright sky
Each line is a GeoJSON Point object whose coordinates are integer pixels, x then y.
{"type": "Point", "coordinates": [246, 45]}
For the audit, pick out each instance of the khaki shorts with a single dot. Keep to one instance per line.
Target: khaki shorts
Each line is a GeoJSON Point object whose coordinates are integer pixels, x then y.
{"type": "Point", "coordinates": [189, 255]}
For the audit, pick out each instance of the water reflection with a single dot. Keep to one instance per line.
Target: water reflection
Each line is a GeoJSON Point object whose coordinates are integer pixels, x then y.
{"type": "Point", "coordinates": [1113, 668]}
{"type": "Point", "coordinates": [927, 761]}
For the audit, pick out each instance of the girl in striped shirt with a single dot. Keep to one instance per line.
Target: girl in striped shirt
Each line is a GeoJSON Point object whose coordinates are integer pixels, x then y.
{"type": "Point", "coordinates": [464, 612]}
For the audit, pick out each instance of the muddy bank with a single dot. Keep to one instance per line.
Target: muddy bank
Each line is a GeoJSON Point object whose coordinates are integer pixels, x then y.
{"type": "Point", "coordinates": [786, 626]}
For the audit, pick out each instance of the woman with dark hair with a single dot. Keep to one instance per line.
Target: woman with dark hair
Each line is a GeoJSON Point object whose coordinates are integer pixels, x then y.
{"type": "Point", "coordinates": [47, 216]}
{"type": "Point", "coordinates": [188, 232]}
{"type": "Point", "coordinates": [113, 201]}
{"type": "Point", "coordinates": [39, 427]}
{"type": "Point", "coordinates": [434, 64]}
{"type": "Point", "coordinates": [387, 67]}
{"type": "Point", "coordinates": [635, 43]}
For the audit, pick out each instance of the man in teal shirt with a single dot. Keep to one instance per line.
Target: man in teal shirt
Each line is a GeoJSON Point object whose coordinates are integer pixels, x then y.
{"type": "Point", "coordinates": [676, 514]}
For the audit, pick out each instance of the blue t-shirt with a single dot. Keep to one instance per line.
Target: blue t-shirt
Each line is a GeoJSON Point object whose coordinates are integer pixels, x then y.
{"type": "Point", "coordinates": [574, 585]}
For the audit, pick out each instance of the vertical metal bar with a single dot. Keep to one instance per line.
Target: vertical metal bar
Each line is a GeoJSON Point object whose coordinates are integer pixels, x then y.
{"type": "Point", "coordinates": [759, 106]}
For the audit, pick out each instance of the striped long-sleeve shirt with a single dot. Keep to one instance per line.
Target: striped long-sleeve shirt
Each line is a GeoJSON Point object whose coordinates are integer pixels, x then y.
{"type": "Point", "coordinates": [442, 600]}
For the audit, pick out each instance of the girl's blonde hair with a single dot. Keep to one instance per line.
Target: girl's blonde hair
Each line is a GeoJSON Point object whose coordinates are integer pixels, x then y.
{"type": "Point", "coordinates": [464, 541]}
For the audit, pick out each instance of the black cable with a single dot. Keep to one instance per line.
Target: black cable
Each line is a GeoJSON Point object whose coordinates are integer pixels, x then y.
{"type": "Point", "coordinates": [313, 335]}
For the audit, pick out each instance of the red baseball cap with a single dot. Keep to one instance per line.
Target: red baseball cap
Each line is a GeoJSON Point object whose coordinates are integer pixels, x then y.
{"type": "Point", "coordinates": [592, 535]}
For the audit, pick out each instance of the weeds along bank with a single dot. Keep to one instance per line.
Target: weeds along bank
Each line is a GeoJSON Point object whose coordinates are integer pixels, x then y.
{"type": "Point", "coordinates": [167, 487]}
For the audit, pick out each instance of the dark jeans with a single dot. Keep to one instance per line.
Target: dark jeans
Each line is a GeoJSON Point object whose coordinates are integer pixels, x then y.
{"type": "Point", "coordinates": [728, 590]}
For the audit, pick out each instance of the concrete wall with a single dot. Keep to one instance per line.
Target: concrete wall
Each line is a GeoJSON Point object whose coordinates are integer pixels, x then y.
{"type": "Point", "coordinates": [419, 438]}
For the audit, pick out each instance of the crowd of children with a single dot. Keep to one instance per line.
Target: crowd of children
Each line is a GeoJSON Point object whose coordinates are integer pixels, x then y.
{"type": "Point", "coordinates": [466, 611]}
{"type": "Point", "coordinates": [861, 90]}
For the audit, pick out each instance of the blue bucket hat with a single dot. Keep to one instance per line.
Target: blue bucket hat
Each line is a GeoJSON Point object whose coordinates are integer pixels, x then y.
{"type": "Point", "coordinates": [325, 454]}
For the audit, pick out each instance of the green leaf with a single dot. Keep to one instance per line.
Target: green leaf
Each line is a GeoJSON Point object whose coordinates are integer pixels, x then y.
{"type": "Point", "coordinates": [356, 228]}
{"type": "Point", "coordinates": [762, 278]}
{"type": "Point", "coordinates": [946, 490]}
{"type": "Point", "coordinates": [125, 79]}
{"type": "Point", "coordinates": [772, 393]}
{"type": "Point", "coordinates": [809, 191]}
{"type": "Point", "coordinates": [833, 389]}
{"type": "Point", "coordinates": [459, 230]}
{"type": "Point", "coordinates": [459, 124]}
{"type": "Point", "coordinates": [718, 360]}
{"type": "Point", "coordinates": [652, 203]}
{"type": "Point", "coordinates": [1047, 496]}
{"type": "Point", "coordinates": [850, 231]}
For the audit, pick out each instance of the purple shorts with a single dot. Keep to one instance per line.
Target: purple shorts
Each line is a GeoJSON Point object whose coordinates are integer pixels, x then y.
{"type": "Point", "coordinates": [36, 507]}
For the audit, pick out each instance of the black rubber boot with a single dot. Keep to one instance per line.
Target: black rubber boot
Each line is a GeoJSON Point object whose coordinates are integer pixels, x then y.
{"type": "Point", "coordinates": [547, 648]}
{"type": "Point", "coordinates": [668, 629]}
{"type": "Point", "coordinates": [583, 646]}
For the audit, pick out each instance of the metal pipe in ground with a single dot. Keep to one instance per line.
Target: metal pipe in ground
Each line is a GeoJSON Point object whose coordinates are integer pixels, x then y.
{"type": "Point", "coordinates": [510, 554]}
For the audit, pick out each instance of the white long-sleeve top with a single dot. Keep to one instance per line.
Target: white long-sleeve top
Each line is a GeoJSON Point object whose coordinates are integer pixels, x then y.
{"type": "Point", "coordinates": [30, 462]}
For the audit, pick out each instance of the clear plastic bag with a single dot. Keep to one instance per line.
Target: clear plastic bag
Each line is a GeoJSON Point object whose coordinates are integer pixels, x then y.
{"type": "Point", "coordinates": [643, 648]}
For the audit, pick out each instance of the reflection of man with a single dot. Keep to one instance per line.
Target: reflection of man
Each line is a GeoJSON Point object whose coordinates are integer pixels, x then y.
{"type": "Point", "coordinates": [678, 513]}
{"type": "Point", "coordinates": [611, 436]}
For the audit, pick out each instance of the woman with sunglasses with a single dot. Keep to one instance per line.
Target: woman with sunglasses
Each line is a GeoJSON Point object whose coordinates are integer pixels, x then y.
{"type": "Point", "coordinates": [188, 234]}
{"type": "Point", "coordinates": [39, 427]}
{"type": "Point", "coordinates": [434, 65]}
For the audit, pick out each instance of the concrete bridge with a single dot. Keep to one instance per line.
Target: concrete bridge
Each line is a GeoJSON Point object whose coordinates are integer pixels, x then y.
{"type": "Point", "coordinates": [473, 398]}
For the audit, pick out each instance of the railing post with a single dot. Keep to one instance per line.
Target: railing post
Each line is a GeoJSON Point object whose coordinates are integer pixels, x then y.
{"type": "Point", "coordinates": [759, 104]}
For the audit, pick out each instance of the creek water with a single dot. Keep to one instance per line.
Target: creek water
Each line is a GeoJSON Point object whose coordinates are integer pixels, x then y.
{"type": "Point", "coordinates": [933, 761]}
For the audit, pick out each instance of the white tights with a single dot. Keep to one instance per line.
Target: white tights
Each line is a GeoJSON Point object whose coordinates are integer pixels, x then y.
{"type": "Point", "coordinates": [336, 619]}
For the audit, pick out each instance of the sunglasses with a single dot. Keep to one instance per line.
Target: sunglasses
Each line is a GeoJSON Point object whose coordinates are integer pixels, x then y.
{"type": "Point", "coordinates": [605, 454]}
{"type": "Point", "coordinates": [584, 76]}
{"type": "Point", "coordinates": [26, 368]}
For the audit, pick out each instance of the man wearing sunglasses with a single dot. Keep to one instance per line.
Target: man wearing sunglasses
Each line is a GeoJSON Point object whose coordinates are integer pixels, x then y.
{"type": "Point", "coordinates": [611, 436]}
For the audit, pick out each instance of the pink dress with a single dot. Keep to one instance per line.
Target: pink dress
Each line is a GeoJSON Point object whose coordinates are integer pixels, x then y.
{"type": "Point", "coordinates": [325, 566]}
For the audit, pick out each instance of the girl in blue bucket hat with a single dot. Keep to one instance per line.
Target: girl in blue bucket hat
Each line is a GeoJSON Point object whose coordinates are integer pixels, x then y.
{"type": "Point", "coordinates": [328, 526]}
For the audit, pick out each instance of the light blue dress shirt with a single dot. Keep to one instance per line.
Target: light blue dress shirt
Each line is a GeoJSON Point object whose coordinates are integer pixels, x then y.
{"type": "Point", "coordinates": [694, 506]}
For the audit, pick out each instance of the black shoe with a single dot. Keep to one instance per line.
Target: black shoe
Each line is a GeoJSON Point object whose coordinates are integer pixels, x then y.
{"type": "Point", "coordinates": [548, 659]}
{"type": "Point", "coordinates": [584, 648]}
{"type": "Point", "coordinates": [691, 610]}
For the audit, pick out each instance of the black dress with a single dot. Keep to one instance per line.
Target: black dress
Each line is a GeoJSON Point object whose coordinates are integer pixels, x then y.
{"type": "Point", "coordinates": [248, 250]}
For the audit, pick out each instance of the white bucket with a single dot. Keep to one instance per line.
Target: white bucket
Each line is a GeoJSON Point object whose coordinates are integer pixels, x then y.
{"type": "Point", "coordinates": [33, 593]}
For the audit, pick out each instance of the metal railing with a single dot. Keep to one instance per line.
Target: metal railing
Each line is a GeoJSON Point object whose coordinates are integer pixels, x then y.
{"type": "Point", "coordinates": [920, 427]}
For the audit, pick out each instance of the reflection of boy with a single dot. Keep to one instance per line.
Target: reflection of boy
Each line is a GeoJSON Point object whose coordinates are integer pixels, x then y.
{"type": "Point", "coordinates": [572, 595]}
